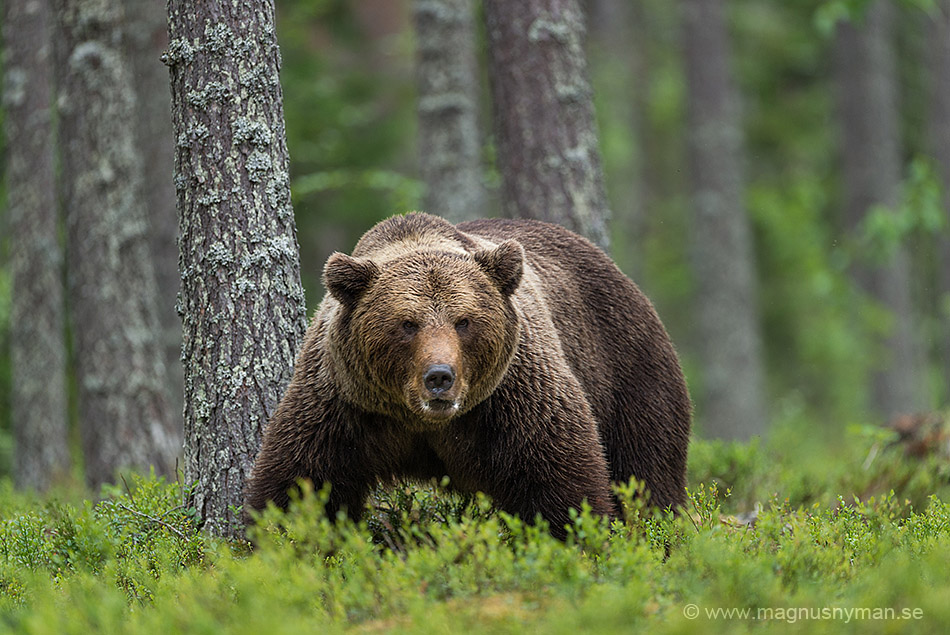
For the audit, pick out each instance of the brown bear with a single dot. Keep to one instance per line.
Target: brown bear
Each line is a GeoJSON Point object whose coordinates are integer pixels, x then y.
{"type": "Point", "coordinates": [510, 355]}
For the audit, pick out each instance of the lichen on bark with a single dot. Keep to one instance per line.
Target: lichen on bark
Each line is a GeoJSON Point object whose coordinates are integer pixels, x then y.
{"type": "Point", "coordinates": [242, 302]}
{"type": "Point", "coordinates": [37, 333]}
{"type": "Point", "coordinates": [449, 140]}
{"type": "Point", "coordinates": [124, 413]}
{"type": "Point", "coordinates": [146, 38]}
{"type": "Point", "coordinates": [546, 135]}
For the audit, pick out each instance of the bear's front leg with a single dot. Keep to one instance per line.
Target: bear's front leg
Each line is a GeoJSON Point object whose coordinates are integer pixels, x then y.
{"type": "Point", "coordinates": [542, 457]}
{"type": "Point", "coordinates": [552, 478]}
{"type": "Point", "coordinates": [313, 439]}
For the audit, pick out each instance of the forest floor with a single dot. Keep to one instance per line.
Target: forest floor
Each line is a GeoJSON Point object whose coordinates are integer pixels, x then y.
{"type": "Point", "coordinates": [811, 533]}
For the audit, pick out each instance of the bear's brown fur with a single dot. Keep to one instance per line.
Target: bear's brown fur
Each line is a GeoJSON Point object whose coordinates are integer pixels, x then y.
{"type": "Point", "coordinates": [510, 355]}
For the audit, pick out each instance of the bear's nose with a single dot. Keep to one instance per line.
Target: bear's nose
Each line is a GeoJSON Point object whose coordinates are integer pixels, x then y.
{"type": "Point", "coordinates": [439, 378]}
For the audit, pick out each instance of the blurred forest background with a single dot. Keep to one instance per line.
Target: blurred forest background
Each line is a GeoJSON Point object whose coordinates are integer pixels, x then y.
{"type": "Point", "coordinates": [824, 134]}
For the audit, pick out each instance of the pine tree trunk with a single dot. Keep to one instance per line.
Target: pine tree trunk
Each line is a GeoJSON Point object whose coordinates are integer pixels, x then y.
{"type": "Point", "coordinates": [732, 400]}
{"type": "Point", "coordinates": [939, 124]}
{"type": "Point", "coordinates": [545, 132]}
{"type": "Point", "coordinates": [871, 154]}
{"type": "Point", "coordinates": [147, 39]}
{"type": "Point", "coordinates": [37, 322]}
{"type": "Point", "coordinates": [449, 140]}
{"type": "Point", "coordinates": [123, 399]}
{"type": "Point", "coordinates": [621, 76]}
{"type": "Point", "coordinates": [242, 301]}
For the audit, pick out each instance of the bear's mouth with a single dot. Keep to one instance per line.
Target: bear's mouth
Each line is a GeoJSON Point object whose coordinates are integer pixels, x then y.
{"type": "Point", "coordinates": [440, 408]}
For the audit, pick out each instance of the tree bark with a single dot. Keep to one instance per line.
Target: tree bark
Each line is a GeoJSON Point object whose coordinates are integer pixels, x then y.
{"type": "Point", "coordinates": [732, 401]}
{"type": "Point", "coordinates": [619, 50]}
{"type": "Point", "coordinates": [123, 400]}
{"type": "Point", "coordinates": [866, 70]}
{"type": "Point", "coordinates": [147, 39]}
{"type": "Point", "coordinates": [37, 321]}
{"type": "Point", "coordinates": [242, 302]}
{"type": "Point", "coordinates": [545, 133]}
{"type": "Point", "coordinates": [449, 140]}
{"type": "Point", "coordinates": [939, 125]}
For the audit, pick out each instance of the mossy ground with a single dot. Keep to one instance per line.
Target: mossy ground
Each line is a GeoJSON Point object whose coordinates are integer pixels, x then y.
{"type": "Point", "coordinates": [846, 535]}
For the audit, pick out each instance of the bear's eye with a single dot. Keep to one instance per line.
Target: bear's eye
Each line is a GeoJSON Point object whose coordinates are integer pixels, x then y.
{"type": "Point", "coordinates": [409, 327]}
{"type": "Point", "coordinates": [462, 325]}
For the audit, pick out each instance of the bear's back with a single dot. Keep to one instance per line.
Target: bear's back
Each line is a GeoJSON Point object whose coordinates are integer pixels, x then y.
{"type": "Point", "coordinates": [616, 346]}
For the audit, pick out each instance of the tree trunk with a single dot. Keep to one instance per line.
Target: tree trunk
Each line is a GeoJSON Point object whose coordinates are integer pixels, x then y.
{"type": "Point", "coordinates": [123, 399]}
{"type": "Point", "coordinates": [449, 140]}
{"type": "Point", "coordinates": [545, 132]}
{"type": "Point", "coordinates": [242, 301]}
{"type": "Point", "coordinates": [147, 39]}
{"type": "Point", "coordinates": [871, 155]}
{"type": "Point", "coordinates": [621, 77]}
{"type": "Point", "coordinates": [732, 402]}
{"type": "Point", "coordinates": [939, 125]}
{"type": "Point", "coordinates": [37, 322]}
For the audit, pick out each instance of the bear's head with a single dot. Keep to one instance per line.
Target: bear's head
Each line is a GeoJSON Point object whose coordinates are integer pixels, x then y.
{"type": "Point", "coordinates": [427, 335]}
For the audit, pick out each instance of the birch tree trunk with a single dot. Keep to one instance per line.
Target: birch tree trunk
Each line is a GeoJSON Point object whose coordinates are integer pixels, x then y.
{"type": "Point", "coordinates": [37, 321]}
{"type": "Point", "coordinates": [449, 140]}
{"type": "Point", "coordinates": [732, 400]}
{"type": "Point", "coordinates": [242, 302]}
{"type": "Point", "coordinates": [147, 39]}
{"type": "Point", "coordinates": [124, 409]}
{"type": "Point", "coordinates": [545, 132]}
{"type": "Point", "coordinates": [866, 79]}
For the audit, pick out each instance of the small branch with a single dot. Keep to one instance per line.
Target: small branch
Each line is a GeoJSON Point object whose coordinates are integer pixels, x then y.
{"type": "Point", "coordinates": [154, 520]}
{"type": "Point", "coordinates": [698, 513]}
{"type": "Point", "coordinates": [128, 490]}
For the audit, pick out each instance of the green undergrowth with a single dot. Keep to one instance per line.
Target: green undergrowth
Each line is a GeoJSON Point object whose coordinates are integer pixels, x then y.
{"type": "Point", "coordinates": [852, 536]}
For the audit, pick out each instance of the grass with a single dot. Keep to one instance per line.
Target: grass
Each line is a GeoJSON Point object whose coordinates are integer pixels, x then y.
{"type": "Point", "coordinates": [798, 534]}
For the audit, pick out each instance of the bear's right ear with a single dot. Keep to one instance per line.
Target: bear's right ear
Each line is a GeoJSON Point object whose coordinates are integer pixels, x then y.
{"type": "Point", "coordinates": [504, 265]}
{"type": "Point", "coordinates": [346, 277]}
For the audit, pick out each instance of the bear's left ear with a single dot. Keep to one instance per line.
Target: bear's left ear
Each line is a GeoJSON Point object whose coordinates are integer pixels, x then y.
{"type": "Point", "coordinates": [346, 277]}
{"type": "Point", "coordinates": [504, 265]}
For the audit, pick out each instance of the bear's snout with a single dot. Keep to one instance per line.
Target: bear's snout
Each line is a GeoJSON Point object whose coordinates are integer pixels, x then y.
{"type": "Point", "coordinates": [438, 379]}
{"type": "Point", "coordinates": [437, 389]}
